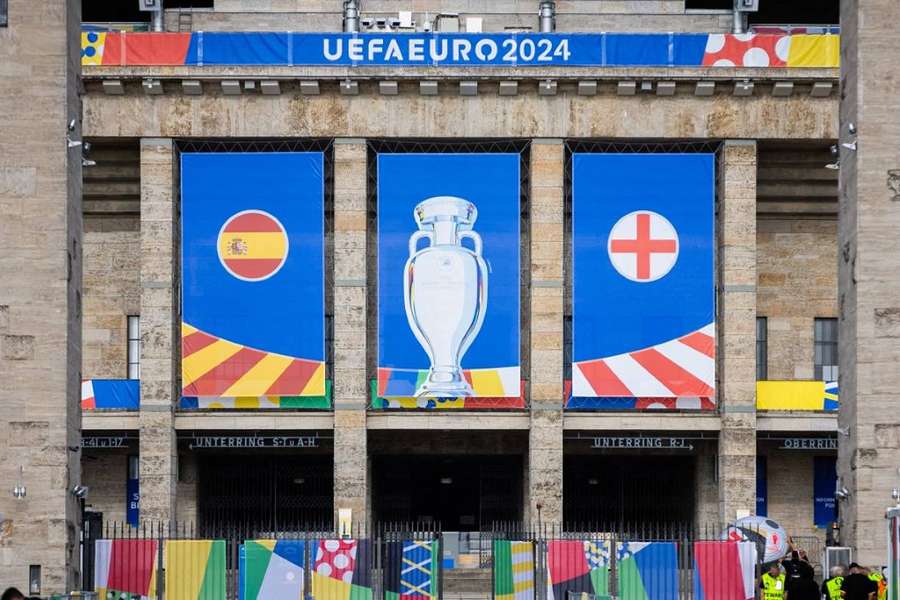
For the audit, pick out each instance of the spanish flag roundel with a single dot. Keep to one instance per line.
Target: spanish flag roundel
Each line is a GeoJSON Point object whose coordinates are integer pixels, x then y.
{"type": "Point", "coordinates": [252, 245]}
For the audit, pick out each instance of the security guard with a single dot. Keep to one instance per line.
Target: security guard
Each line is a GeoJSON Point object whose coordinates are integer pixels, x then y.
{"type": "Point", "coordinates": [876, 576]}
{"type": "Point", "coordinates": [772, 583]}
{"type": "Point", "coordinates": [831, 588]}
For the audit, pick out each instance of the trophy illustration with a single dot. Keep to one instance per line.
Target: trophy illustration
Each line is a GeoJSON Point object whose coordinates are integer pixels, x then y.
{"type": "Point", "coordinates": [445, 291]}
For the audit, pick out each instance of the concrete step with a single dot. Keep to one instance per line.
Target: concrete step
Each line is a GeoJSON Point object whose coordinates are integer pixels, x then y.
{"type": "Point", "coordinates": [475, 582]}
{"type": "Point", "coordinates": [465, 596]}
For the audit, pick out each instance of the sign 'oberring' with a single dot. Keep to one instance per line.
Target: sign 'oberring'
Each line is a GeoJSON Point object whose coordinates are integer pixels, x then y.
{"type": "Point", "coordinates": [809, 444]}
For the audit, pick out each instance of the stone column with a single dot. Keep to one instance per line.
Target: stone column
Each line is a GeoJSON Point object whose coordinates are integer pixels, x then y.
{"type": "Point", "coordinates": [40, 293]}
{"type": "Point", "coordinates": [545, 445]}
{"type": "Point", "coordinates": [868, 277]}
{"type": "Point", "coordinates": [350, 383]}
{"type": "Point", "coordinates": [160, 337]}
{"type": "Point", "coordinates": [737, 329]}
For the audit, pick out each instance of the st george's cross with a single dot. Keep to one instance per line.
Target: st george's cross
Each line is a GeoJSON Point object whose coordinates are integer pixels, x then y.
{"type": "Point", "coordinates": [643, 246]}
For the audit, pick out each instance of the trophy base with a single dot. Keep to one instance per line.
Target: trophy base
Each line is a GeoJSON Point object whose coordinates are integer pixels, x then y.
{"type": "Point", "coordinates": [442, 389]}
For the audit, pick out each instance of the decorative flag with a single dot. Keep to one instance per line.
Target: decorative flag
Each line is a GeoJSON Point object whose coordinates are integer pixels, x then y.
{"type": "Point", "coordinates": [513, 570]}
{"type": "Point", "coordinates": [253, 275]}
{"type": "Point", "coordinates": [125, 569]}
{"type": "Point", "coordinates": [195, 569]}
{"type": "Point", "coordinates": [568, 569]}
{"type": "Point", "coordinates": [273, 570]}
{"type": "Point", "coordinates": [647, 570]}
{"type": "Point", "coordinates": [643, 297]}
{"type": "Point", "coordinates": [724, 570]}
{"type": "Point", "coordinates": [341, 570]}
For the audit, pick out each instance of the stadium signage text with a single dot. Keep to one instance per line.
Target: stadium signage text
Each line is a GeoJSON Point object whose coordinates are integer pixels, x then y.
{"type": "Point", "coordinates": [253, 441]}
{"type": "Point", "coordinates": [809, 444]}
{"type": "Point", "coordinates": [104, 442]}
{"type": "Point", "coordinates": [661, 442]}
{"type": "Point", "coordinates": [414, 49]}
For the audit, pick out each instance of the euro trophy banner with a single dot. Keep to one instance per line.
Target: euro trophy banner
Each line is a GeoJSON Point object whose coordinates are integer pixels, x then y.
{"type": "Point", "coordinates": [253, 289]}
{"type": "Point", "coordinates": [448, 281]}
{"type": "Point", "coordinates": [643, 296]}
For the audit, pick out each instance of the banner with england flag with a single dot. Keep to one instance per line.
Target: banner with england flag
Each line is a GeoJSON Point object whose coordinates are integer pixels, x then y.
{"type": "Point", "coordinates": [643, 284]}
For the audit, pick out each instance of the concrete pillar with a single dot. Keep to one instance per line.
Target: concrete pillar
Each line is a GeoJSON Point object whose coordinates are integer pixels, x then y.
{"type": "Point", "coordinates": [40, 293]}
{"type": "Point", "coordinates": [545, 445]}
{"type": "Point", "coordinates": [868, 279]}
{"type": "Point", "coordinates": [350, 383]}
{"type": "Point", "coordinates": [737, 329]}
{"type": "Point", "coordinates": [160, 336]}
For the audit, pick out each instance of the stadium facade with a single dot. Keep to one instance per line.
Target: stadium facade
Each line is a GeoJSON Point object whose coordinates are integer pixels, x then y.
{"type": "Point", "coordinates": [465, 263]}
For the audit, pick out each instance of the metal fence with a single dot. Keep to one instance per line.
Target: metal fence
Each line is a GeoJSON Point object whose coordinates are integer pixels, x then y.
{"type": "Point", "coordinates": [641, 561]}
{"type": "Point", "coordinates": [178, 561]}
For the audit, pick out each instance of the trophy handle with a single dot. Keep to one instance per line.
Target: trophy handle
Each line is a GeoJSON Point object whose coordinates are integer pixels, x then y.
{"type": "Point", "coordinates": [414, 240]}
{"type": "Point", "coordinates": [476, 239]}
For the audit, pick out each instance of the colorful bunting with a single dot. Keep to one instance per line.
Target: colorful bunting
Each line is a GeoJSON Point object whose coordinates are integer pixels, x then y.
{"type": "Point", "coordinates": [273, 570]}
{"type": "Point", "coordinates": [513, 570]}
{"type": "Point", "coordinates": [125, 569]}
{"type": "Point", "coordinates": [195, 570]}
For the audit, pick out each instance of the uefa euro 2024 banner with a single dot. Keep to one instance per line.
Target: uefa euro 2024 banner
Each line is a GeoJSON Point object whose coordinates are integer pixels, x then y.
{"type": "Point", "coordinates": [643, 310]}
{"type": "Point", "coordinates": [252, 271]}
{"type": "Point", "coordinates": [448, 281]}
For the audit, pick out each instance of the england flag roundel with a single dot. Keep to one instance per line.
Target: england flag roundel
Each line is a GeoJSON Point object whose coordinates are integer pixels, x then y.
{"type": "Point", "coordinates": [643, 246]}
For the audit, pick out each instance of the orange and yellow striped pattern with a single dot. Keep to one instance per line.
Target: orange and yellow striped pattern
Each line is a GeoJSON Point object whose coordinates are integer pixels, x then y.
{"type": "Point", "coordinates": [213, 366]}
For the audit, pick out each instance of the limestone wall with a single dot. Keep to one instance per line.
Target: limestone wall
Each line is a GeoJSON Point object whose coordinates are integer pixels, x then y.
{"type": "Point", "coordinates": [797, 281]}
{"type": "Point", "coordinates": [105, 472]}
{"type": "Point", "coordinates": [40, 292]}
{"type": "Point", "coordinates": [111, 281]}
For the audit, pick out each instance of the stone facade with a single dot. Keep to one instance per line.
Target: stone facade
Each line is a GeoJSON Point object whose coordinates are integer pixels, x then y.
{"type": "Point", "coordinates": [40, 298]}
{"type": "Point", "coordinates": [869, 300]}
{"type": "Point", "coordinates": [112, 284]}
{"type": "Point", "coordinates": [545, 459]}
{"type": "Point", "coordinates": [105, 473]}
{"type": "Point", "coordinates": [781, 266]}
{"type": "Point", "coordinates": [350, 316]}
{"type": "Point", "coordinates": [160, 330]}
{"type": "Point", "coordinates": [736, 326]}
{"type": "Point", "coordinates": [797, 282]}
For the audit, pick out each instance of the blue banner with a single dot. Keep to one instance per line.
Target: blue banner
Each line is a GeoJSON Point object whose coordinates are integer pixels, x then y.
{"type": "Point", "coordinates": [446, 49]}
{"type": "Point", "coordinates": [762, 487]}
{"type": "Point", "coordinates": [133, 497]}
{"type": "Point", "coordinates": [643, 301]}
{"type": "Point", "coordinates": [253, 274]}
{"type": "Point", "coordinates": [108, 394]}
{"type": "Point", "coordinates": [824, 484]}
{"type": "Point", "coordinates": [448, 277]}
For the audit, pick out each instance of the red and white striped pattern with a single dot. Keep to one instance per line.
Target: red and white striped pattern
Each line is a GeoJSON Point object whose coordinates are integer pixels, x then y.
{"type": "Point", "coordinates": [87, 395]}
{"type": "Point", "coordinates": [677, 368]}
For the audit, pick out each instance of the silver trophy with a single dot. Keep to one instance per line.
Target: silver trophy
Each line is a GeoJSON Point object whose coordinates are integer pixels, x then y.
{"type": "Point", "coordinates": [445, 291]}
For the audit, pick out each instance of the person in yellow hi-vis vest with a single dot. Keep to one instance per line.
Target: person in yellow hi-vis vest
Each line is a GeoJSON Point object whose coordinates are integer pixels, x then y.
{"type": "Point", "coordinates": [876, 576]}
{"type": "Point", "coordinates": [772, 583]}
{"type": "Point", "coordinates": [831, 587]}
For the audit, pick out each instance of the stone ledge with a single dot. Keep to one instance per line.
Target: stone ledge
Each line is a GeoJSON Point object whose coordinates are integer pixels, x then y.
{"type": "Point", "coordinates": [797, 422]}
{"type": "Point", "coordinates": [650, 421]}
{"type": "Point", "coordinates": [573, 73]}
{"type": "Point", "coordinates": [450, 420]}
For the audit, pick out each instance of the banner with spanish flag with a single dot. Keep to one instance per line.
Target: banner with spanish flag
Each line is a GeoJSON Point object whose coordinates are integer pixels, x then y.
{"type": "Point", "coordinates": [252, 271]}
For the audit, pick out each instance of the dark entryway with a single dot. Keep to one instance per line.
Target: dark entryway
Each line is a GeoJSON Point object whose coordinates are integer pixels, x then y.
{"type": "Point", "coordinates": [625, 489]}
{"type": "Point", "coordinates": [267, 492]}
{"type": "Point", "coordinates": [458, 493]}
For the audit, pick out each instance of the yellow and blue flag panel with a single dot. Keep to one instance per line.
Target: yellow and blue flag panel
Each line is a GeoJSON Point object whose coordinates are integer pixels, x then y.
{"type": "Point", "coordinates": [253, 275]}
{"type": "Point", "coordinates": [797, 395]}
